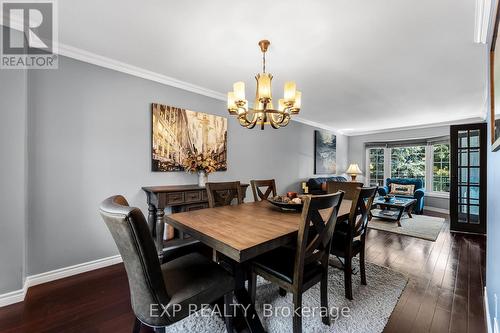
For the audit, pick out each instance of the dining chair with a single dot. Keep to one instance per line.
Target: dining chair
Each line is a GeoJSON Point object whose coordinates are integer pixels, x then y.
{"type": "Point", "coordinates": [170, 288]}
{"type": "Point", "coordinates": [349, 188]}
{"type": "Point", "coordinates": [298, 269]}
{"type": "Point", "coordinates": [270, 186]}
{"type": "Point", "coordinates": [224, 193]}
{"type": "Point", "coordinates": [349, 237]}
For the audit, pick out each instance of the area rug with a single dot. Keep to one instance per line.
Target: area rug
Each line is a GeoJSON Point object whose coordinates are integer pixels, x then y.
{"type": "Point", "coordinates": [368, 312]}
{"type": "Point", "coordinates": [420, 226]}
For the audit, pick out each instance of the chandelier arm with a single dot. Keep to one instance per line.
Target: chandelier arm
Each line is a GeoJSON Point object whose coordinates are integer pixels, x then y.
{"type": "Point", "coordinates": [280, 118]}
{"type": "Point", "coordinates": [242, 116]}
{"type": "Point", "coordinates": [244, 121]}
{"type": "Point", "coordinates": [274, 124]}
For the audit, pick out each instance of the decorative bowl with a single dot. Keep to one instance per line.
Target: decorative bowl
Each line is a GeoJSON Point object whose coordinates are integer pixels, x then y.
{"type": "Point", "coordinates": [388, 198]}
{"type": "Point", "coordinates": [289, 205]}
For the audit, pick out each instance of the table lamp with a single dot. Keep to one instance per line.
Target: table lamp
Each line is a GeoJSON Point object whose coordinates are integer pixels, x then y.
{"type": "Point", "coordinates": [353, 170]}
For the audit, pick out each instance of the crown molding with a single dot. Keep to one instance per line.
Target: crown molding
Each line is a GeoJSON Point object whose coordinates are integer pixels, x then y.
{"type": "Point", "coordinates": [101, 61]}
{"type": "Point", "coordinates": [482, 21]}
{"type": "Point", "coordinates": [98, 60]}
{"type": "Point", "coordinates": [318, 125]}
{"type": "Point", "coordinates": [112, 64]}
{"type": "Point", "coordinates": [457, 121]}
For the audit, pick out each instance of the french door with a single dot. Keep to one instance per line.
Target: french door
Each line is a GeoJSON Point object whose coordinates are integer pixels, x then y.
{"type": "Point", "coordinates": [468, 178]}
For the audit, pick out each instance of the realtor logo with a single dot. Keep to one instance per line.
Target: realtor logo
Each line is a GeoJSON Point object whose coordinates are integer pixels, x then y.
{"type": "Point", "coordinates": [32, 36]}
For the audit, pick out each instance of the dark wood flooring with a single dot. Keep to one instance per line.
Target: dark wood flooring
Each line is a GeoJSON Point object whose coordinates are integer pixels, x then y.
{"type": "Point", "coordinates": [444, 292]}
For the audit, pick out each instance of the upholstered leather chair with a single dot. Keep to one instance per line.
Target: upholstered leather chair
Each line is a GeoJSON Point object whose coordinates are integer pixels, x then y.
{"type": "Point", "coordinates": [349, 237]}
{"type": "Point", "coordinates": [296, 269]}
{"type": "Point", "coordinates": [268, 184]}
{"type": "Point", "coordinates": [172, 286]}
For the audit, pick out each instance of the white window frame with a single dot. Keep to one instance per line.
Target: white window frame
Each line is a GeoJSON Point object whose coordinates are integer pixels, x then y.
{"type": "Point", "coordinates": [387, 164]}
{"type": "Point", "coordinates": [429, 174]}
{"type": "Point", "coordinates": [429, 177]}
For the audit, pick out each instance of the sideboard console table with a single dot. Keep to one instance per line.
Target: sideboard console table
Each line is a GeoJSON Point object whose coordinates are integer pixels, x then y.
{"type": "Point", "coordinates": [180, 198]}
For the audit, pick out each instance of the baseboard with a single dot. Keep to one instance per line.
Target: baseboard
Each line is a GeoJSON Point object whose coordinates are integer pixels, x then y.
{"type": "Point", "coordinates": [12, 297]}
{"type": "Point", "coordinates": [487, 312]}
{"type": "Point", "coordinates": [33, 280]}
{"type": "Point", "coordinates": [437, 210]}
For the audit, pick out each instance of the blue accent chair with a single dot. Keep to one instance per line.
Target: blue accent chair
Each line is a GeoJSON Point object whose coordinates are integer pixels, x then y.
{"type": "Point", "coordinates": [419, 191]}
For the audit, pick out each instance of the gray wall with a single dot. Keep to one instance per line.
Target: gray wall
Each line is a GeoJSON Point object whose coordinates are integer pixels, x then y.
{"type": "Point", "coordinates": [90, 138]}
{"type": "Point", "coordinates": [357, 151]}
{"type": "Point", "coordinates": [493, 227]}
{"type": "Point", "coordinates": [13, 152]}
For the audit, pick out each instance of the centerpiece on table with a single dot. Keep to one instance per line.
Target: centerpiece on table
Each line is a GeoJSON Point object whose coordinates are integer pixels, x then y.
{"type": "Point", "coordinates": [201, 163]}
{"type": "Point", "coordinates": [290, 201]}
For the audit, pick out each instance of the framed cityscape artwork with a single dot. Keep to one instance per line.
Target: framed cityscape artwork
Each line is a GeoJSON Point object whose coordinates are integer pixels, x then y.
{"type": "Point", "coordinates": [325, 153]}
{"type": "Point", "coordinates": [177, 133]}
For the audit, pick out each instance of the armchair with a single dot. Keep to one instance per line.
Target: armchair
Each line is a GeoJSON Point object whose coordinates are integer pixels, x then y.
{"type": "Point", "coordinates": [418, 194]}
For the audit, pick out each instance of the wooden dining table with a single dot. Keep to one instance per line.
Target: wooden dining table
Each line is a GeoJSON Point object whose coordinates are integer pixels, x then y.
{"type": "Point", "coordinates": [243, 232]}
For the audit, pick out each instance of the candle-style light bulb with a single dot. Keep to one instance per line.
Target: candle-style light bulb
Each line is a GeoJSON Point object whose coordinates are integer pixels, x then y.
{"type": "Point", "coordinates": [231, 105]}
{"type": "Point", "coordinates": [239, 90]}
{"type": "Point", "coordinates": [290, 90]}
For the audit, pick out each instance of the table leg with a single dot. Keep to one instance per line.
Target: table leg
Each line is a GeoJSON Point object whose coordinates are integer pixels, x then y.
{"type": "Point", "coordinates": [160, 228]}
{"type": "Point", "coordinates": [152, 219]}
{"type": "Point", "coordinates": [400, 215]}
{"type": "Point", "coordinates": [247, 319]}
{"type": "Point", "coordinates": [410, 210]}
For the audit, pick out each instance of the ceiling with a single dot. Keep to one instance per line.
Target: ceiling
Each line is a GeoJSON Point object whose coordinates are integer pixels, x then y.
{"type": "Point", "coordinates": [361, 65]}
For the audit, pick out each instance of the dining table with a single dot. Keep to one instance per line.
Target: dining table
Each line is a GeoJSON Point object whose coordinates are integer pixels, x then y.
{"type": "Point", "coordinates": [240, 233]}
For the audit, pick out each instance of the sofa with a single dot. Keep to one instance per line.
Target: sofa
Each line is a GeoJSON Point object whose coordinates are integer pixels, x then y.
{"type": "Point", "coordinates": [316, 186]}
{"type": "Point", "coordinates": [418, 194]}
{"type": "Point", "coordinates": [350, 188]}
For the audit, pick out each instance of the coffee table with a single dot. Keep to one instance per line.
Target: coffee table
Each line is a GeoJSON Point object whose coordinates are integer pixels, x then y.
{"type": "Point", "coordinates": [393, 210]}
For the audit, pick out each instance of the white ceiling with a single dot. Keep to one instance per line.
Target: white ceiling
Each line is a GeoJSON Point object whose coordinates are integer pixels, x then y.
{"type": "Point", "coordinates": [362, 65]}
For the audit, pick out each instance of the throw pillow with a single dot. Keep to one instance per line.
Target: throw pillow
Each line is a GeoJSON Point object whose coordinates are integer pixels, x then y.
{"type": "Point", "coordinates": [402, 189]}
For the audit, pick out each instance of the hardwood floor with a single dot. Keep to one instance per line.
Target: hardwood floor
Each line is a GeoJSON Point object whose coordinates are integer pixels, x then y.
{"type": "Point", "coordinates": [446, 280]}
{"type": "Point", "coordinates": [444, 292]}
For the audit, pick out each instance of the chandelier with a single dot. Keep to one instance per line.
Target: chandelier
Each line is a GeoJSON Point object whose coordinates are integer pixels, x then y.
{"type": "Point", "coordinates": [263, 111]}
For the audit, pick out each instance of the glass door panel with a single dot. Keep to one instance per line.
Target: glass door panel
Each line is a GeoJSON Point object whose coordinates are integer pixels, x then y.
{"type": "Point", "coordinates": [468, 178]}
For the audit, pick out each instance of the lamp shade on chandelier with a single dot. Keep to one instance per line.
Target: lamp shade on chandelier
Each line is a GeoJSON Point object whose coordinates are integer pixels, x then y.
{"type": "Point", "coordinates": [263, 112]}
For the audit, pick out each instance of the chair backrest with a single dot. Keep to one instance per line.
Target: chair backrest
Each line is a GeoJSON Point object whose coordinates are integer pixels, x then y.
{"type": "Point", "coordinates": [223, 194]}
{"type": "Point", "coordinates": [350, 189]}
{"type": "Point", "coordinates": [318, 219]}
{"type": "Point", "coordinates": [136, 246]}
{"type": "Point", "coordinates": [405, 181]}
{"type": "Point", "coordinates": [360, 209]}
{"type": "Point", "coordinates": [270, 186]}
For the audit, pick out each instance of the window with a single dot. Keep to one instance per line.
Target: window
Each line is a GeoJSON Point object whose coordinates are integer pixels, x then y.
{"type": "Point", "coordinates": [376, 157]}
{"type": "Point", "coordinates": [441, 168]}
{"type": "Point", "coordinates": [408, 162]}
{"type": "Point", "coordinates": [428, 161]}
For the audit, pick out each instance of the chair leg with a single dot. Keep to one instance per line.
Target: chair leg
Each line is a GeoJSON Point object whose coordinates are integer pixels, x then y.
{"type": "Point", "coordinates": [282, 292]}
{"type": "Point", "coordinates": [324, 299]}
{"type": "Point", "coordinates": [228, 312]}
{"type": "Point", "coordinates": [362, 266]}
{"type": "Point", "coordinates": [297, 316]}
{"type": "Point", "coordinates": [252, 286]}
{"type": "Point", "coordinates": [348, 278]}
{"type": "Point", "coordinates": [137, 326]}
